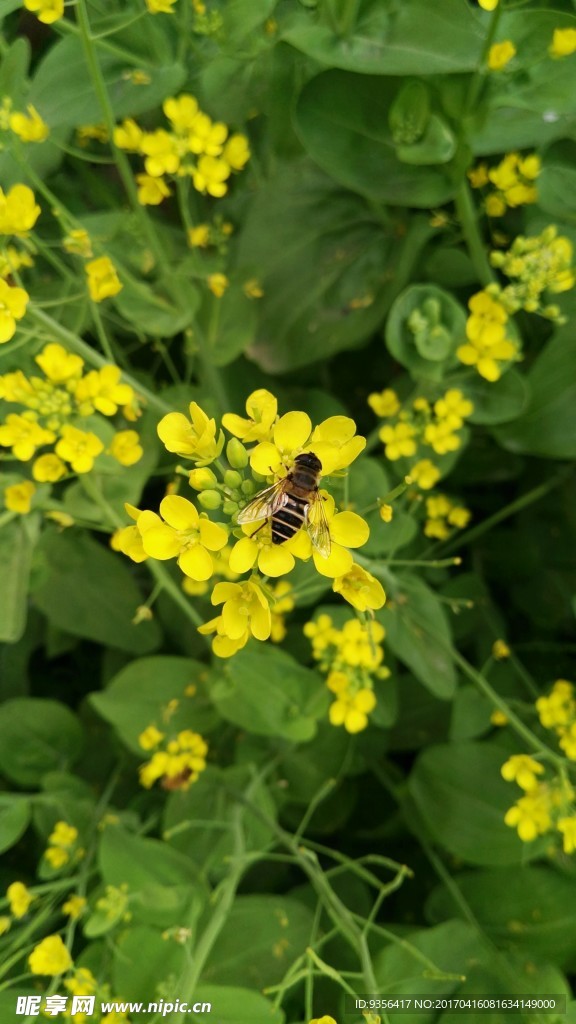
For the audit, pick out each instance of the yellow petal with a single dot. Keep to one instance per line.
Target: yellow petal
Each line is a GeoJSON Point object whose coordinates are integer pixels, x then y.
{"type": "Point", "coordinates": [336, 430]}
{"type": "Point", "coordinates": [265, 458]}
{"type": "Point", "coordinates": [196, 563]}
{"type": "Point", "coordinates": [212, 535]}
{"type": "Point", "coordinates": [160, 542]}
{"type": "Point", "coordinates": [243, 555]}
{"type": "Point", "coordinates": [233, 622]}
{"type": "Point", "coordinates": [292, 431]}
{"type": "Point", "coordinates": [179, 512]}
{"type": "Point", "coordinates": [338, 562]}
{"type": "Point", "coordinates": [275, 560]}
{"type": "Point", "coordinates": [224, 592]}
{"type": "Point", "coordinates": [261, 623]}
{"type": "Point", "coordinates": [349, 529]}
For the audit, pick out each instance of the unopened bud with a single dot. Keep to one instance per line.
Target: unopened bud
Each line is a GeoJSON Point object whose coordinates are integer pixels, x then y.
{"type": "Point", "coordinates": [230, 507]}
{"type": "Point", "coordinates": [247, 487]}
{"type": "Point", "coordinates": [202, 479]}
{"type": "Point", "coordinates": [210, 499]}
{"type": "Point", "coordinates": [232, 479]}
{"type": "Point", "coordinates": [236, 454]}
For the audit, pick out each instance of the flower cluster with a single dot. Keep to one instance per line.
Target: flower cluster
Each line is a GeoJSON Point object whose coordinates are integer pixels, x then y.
{"type": "Point", "coordinates": [546, 804]}
{"type": "Point", "coordinates": [63, 846]}
{"type": "Point", "coordinates": [535, 265]}
{"type": "Point", "coordinates": [419, 425]}
{"type": "Point", "coordinates": [18, 215]}
{"type": "Point", "coordinates": [513, 180]}
{"type": "Point", "coordinates": [51, 408]}
{"type": "Point", "coordinates": [487, 348]}
{"type": "Point", "coordinates": [262, 450]}
{"type": "Point", "coordinates": [351, 658]}
{"type": "Point", "coordinates": [443, 517]}
{"type": "Point", "coordinates": [193, 146]}
{"type": "Point", "coordinates": [47, 11]}
{"type": "Point", "coordinates": [176, 762]}
{"type": "Point", "coordinates": [557, 711]}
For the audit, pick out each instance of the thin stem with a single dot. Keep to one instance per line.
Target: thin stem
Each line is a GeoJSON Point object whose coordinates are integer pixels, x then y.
{"type": "Point", "coordinates": [468, 217]}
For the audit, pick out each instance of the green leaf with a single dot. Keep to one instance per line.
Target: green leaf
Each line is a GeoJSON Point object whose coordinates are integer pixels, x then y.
{"type": "Point", "coordinates": [418, 633]}
{"type": "Point", "coordinates": [462, 799]}
{"type": "Point", "coordinates": [343, 123]}
{"type": "Point", "coordinates": [16, 546]}
{"type": "Point", "coordinates": [157, 681]}
{"type": "Point", "coordinates": [557, 181]}
{"type": "Point", "coordinates": [14, 819]}
{"type": "Point", "coordinates": [236, 1005]}
{"type": "Point", "coordinates": [63, 93]}
{"type": "Point", "coordinates": [37, 736]}
{"type": "Point", "coordinates": [280, 928]}
{"type": "Point", "coordinates": [527, 912]}
{"type": "Point", "coordinates": [499, 402]}
{"type": "Point", "coordinates": [268, 693]}
{"type": "Point", "coordinates": [145, 962]}
{"type": "Point", "coordinates": [89, 592]}
{"type": "Point", "coordinates": [548, 426]}
{"type": "Point", "coordinates": [437, 145]}
{"type": "Point", "coordinates": [424, 327]}
{"type": "Point", "coordinates": [229, 324]}
{"type": "Point", "coordinates": [146, 309]}
{"type": "Point", "coordinates": [401, 39]}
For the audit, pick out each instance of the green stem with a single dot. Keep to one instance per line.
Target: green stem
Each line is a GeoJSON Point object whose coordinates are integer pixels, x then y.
{"type": "Point", "coordinates": [482, 70]}
{"type": "Point", "coordinates": [468, 217]}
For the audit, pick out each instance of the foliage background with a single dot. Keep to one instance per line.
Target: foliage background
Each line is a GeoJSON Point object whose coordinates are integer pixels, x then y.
{"type": "Point", "coordinates": [377, 862]}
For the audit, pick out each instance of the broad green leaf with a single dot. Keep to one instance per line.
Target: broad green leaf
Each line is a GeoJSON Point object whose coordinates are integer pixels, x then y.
{"type": "Point", "coordinates": [528, 911]}
{"type": "Point", "coordinates": [158, 681]}
{"type": "Point", "coordinates": [145, 962]}
{"type": "Point", "coordinates": [280, 928]}
{"type": "Point", "coordinates": [499, 402]}
{"type": "Point", "coordinates": [470, 714]}
{"type": "Point", "coordinates": [548, 426]}
{"type": "Point", "coordinates": [422, 718]}
{"type": "Point", "coordinates": [89, 592]}
{"type": "Point", "coordinates": [63, 93]}
{"type": "Point", "coordinates": [462, 799]}
{"type": "Point", "coordinates": [269, 693]}
{"type": "Point", "coordinates": [153, 314]}
{"type": "Point", "coordinates": [16, 546]}
{"type": "Point", "coordinates": [342, 120]}
{"type": "Point", "coordinates": [437, 145]}
{"type": "Point", "coordinates": [14, 819]}
{"type": "Point", "coordinates": [235, 1005]}
{"type": "Point", "coordinates": [228, 324]}
{"type": "Point", "coordinates": [310, 765]}
{"type": "Point", "coordinates": [37, 736]}
{"type": "Point", "coordinates": [418, 633]}
{"type": "Point", "coordinates": [400, 39]}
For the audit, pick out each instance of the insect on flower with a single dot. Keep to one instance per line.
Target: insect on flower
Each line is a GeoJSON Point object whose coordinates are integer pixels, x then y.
{"type": "Point", "coordinates": [293, 502]}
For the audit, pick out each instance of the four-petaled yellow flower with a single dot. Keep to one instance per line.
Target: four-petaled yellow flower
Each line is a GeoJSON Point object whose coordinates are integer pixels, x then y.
{"type": "Point", "coordinates": [79, 448]}
{"type": "Point", "coordinates": [500, 54]}
{"type": "Point", "coordinates": [487, 344]}
{"type": "Point", "coordinates": [48, 468]}
{"type": "Point", "coordinates": [74, 906]}
{"type": "Point", "coordinates": [523, 769]}
{"type": "Point", "coordinates": [23, 435]}
{"type": "Point", "coordinates": [182, 533]}
{"type": "Point", "coordinates": [563, 43]}
{"type": "Point", "coordinates": [50, 957]}
{"type": "Point", "coordinates": [29, 127]}
{"type": "Point", "coordinates": [102, 390]}
{"type": "Point", "coordinates": [360, 589]}
{"type": "Point", "coordinates": [13, 302]}
{"type": "Point", "coordinates": [262, 412]}
{"type": "Point", "coordinates": [57, 364]}
{"type": "Point", "coordinates": [18, 497]}
{"type": "Point", "coordinates": [351, 708]}
{"type": "Point", "coordinates": [245, 613]}
{"type": "Point", "coordinates": [199, 439]}
{"type": "Point", "coordinates": [19, 211]}
{"type": "Point", "coordinates": [347, 530]}
{"type": "Point", "coordinates": [19, 898]}
{"type": "Point", "coordinates": [103, 280]}
{"type": "Point", "coordinates": [126, 447]}
{"type": "Point", "coordinates": [151, 191]}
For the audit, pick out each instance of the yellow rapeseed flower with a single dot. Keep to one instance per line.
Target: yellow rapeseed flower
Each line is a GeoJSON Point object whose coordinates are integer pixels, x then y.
{"type": "Point", "coordinates": [245, 613]}
{"type": "Point", "coordinates": [128, 539]}
{"type": "Point", "coordinates": [425, 474]}
{"type": "Point", "coordinates": [50, 957]}
{"type": "Point", "coordinates": [13, 303]}
{"type": "Point", "coordinates": [184, 534]}
{"type": "Point", "coordinates": [150, 738]}
{"type": "Point", "coordinates": [128, 136]}
{"type": "Point", "coordinates": [522, 769]}
{"type": "Point", "coordinates": [19, 897]}
{"type": "Point", "coordinates": [488, 5]}
{"type": "Point", "coordinates": [567, 827]}
{"type": "Point", "coordinates": [384, 403]}
{"type": "Point", "coordinates": [29, 127]}
{"type": "Point", "coordinates": [487, 345]}
{"type": "Point", "coordinates": [500, 650]}
{"type": "Point", "coordinates": [74, 906]}
{"type": "Point", "coordinates": [151, 191]}
{"type": "Point", "coordinates": [47, 11]}
{"type": "Point", "coordinates": [360, 589]}
{"type": "Point", "coordinates": [161, 152]}
{"type": "Point", "coordinates": [104, 391]}
{"type": "Point", "coordinates": [197, 438]}
{"type": "Point", "coordinates": [563, 43]}
{"type": "Point", "coordinates": [399, 440]}
{"type": "Point", "coordinates": [500, 54]}
{"type": "Point", "coordinates": [19, 211]}
{"type": "Point", "coordinates": [333, 441]}
{"type": "Point", "coordinates": [199, 237]}
{"type": "Point", "coordinates": [217, 284]}
{"type": "Point", "coordinates": [48, 468]}
{"type": "Point", "coordinates": [57, 364]}
{"type": "Point", "coordinates": [18, 497]}
{"type": "Point", "coordinates": [160, 6]}
{"type": "Point", "coordinates": [79, 448]}
{"type": "Point", "coordinates": [23, 435]}
{"type": "Point", "coordinates": [211, 175]}
{"type": "Point", "coordinates": [103, 280]}
{"type": "Point", "coordinates": [530, 815]}
{"type": "Point", "coordinates": [351, 709]}
{"type": "Point", "coordinates": [126, 447]}
{"type": "Point", "coordinates": [236, 152]}
{"type": "Point", "coordinates": [262, 413]}
{"type": "Point", "coordinates": [77, 243]}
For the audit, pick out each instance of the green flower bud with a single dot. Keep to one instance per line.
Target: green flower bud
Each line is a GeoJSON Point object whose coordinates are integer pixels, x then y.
{"type": "Point", "coordinates": [229, 507]}
{"type": "Point", "coordinates": [247, 487]}
{"type": "Point", "coordinates": [202, 479]}
{"type": "Point", "coordinates": [232, 479]}
{"type": "Point", "coordinates": [236, 454]}
{"type": "Point", "coordinates": [210, 499]}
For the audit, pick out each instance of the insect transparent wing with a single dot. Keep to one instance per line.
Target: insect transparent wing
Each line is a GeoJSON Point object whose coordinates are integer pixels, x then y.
{"type": "Point", "coordinates": [317, 526]}
{"type": "Point", "coordinates": [264, 504]}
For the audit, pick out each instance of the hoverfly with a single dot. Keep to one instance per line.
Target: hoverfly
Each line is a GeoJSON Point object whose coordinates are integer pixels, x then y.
{"type": "Point", "coordinates": [293, 502]}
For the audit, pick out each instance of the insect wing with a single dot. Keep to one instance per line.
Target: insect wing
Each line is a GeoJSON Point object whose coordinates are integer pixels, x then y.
{"type": "Point", "coordinates": [317, 526]}
{"type": "Point", "coordinates": [265, 504]}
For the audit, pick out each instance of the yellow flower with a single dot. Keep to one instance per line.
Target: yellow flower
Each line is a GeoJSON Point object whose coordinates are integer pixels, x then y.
{"type": "Point", "coordinates": [245, 610]}
{"type": "Point", "coordinates": [459, 517]}
{"type": "Point", "coordinates": [567, 826]}
{"type": "Point", "coordinates": [257, 548]}
{"type": "Point", "coordinates": [63, 834]}
{"type": "Point", "coordinates": [199, 237]}
{"type": "Point", "coordinates": [57, 364]}
{"type": "Point", "coordinates": [352, 709]}
{"type": "Point", "coordinates": [530, 815]}
{"type": "Point", "coordinates": [237, 152]}
{"type": "Point", "coordinates": [453, 408]}
{"type": "Point", "coordinates": [181, 111]}
{"type": "Point", "coordinates": [160, 6]}
{"type": "Point", "coordinates": [128, 136]}
{"type": "Point", "coordinates": [384, 403]}
{"type": "Point", "coordinates": [18, 497]}
{"type": "Point", "coordinates": [398, 440]}
{"type": "Point", "coordinates": [103, 281]}
{"type": "Point", "coordinates": [19, 898]}
{"type": "Point", "coordinates": [128, 539]}
{"type": "Point", "coordinates": [183, 534]}
{"type": "Point", "coordinates": [50, 956]}
{"type": "Point", "coordinates": [386, 513]}
{"type": "Point", "coordinates": [523, 769]}
{"type": "Point", "coordinates": [23, 436]}
{"type": "Point", "coordinates": [47, 11]}
{"type": "Point", "coordinates": [262, 412]}
{"type": "Point", "coordinates": [206, 136]}
{"type": "Point", "coordinates": [198, 440]}
{"type": "Point", "coordinates": [563, 43]}
{"type": "Point", "coordinates": [160, 149]}
{"type": "Point", "coordinates": [13, 302]}
{"type": "Point", "coordinates": [87, 132]}
{"type": "Point", "coordinates": [74, 906]}
{"type": "Point", "coordinates": [211, 175]}
{"type": "Point", "coordinates": [323, 1020]}
{"type": "Point", "coordinates": [48, 468]}
{"type": "Point", "coordinates": [5, 923]}
{"type": "Point", "coordinates": [253, 289]}
{"type": "Point", "coordinates": [77, 243]}
{"type": "Point", "coordinates": [478, 176]}
{"type": "Point", "coordinates": [487, 345]}
{"type": "Point", "coordinates": [12, 260]}
{"type": "Point", "coordinates": [333, 442]}
{"type": "Point", "coordinates": [150, 738]}
{"type": "Point", "coordinates": [495, 205]}
{"type": "Point", "coordinates": [488, 5]}
{"type": "Point", "coordinates": [498, 718]}
{"type": "Point", "coordinates": [217, 284]}
{"type": "Point", "coordinates": [559, 707]}
{"type": "Point", "coordinates": [29, 128]}
{"type": "Point", "coordinates": [441, 438]}
{"type": "Point", "coordinates": [79, 448]}
{"type": "Point", "coordinates": [151, 191]}
{"type": "Point", "coordinates": [500, 650]}
{"type": "Point", "coordinates": [500, 54]}
{"type": "Point", "coordinates": [56, 857]}
{"type": "Point", "coordinates": [126, 447]}
{"type": "Point", "coordinates": [425, 474]}
{"type": "Point", "coordinates": [103, 390]}
{"type": "Point", "coordinates": [18, 211]}
{"type": "Point", "coordinates": [360, 589]}
{"type": "Point", "coordinates": [347, 530]}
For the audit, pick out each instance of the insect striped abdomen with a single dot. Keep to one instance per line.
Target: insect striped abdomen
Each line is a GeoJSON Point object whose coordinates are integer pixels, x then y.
{"type": "Point", "coordinates": [288, 519]}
